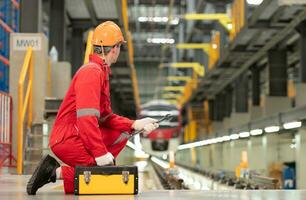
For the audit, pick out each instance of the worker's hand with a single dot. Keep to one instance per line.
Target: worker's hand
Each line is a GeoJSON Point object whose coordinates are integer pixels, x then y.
{"type": "Point", "coordinates": [149, 128]}
{"type": "Point", "coordinates": [106, 159]}
{"type": "Point", "coordinates": [141, 123]}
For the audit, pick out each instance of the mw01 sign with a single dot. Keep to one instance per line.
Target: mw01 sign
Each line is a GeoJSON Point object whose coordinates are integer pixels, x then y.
{"type": "Point", "coordinates": [22, 43]}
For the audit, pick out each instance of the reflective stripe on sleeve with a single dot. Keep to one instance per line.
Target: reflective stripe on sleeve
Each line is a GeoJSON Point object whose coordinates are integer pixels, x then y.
{"type": "Point", "coordinates": [122, 137]}
{"type": "Point", "coordinates": [88, 112]}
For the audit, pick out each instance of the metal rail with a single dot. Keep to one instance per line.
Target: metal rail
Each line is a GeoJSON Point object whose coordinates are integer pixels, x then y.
{"type": "Point", "coordinates": [6, 157]}
{"type": "Point", "coordinates": [169, 181]}
{"type": "Point", "coordinates": [253, 182]}
{"type": "Point", "coordinates": [24, 104]}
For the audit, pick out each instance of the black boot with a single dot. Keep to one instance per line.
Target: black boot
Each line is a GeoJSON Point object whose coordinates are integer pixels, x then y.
{"type": "Point", "coordinates": [44, 173]}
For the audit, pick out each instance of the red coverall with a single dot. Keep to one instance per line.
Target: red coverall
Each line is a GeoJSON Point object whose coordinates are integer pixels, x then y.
{"type": "Point", "coordinates": [85, 127]}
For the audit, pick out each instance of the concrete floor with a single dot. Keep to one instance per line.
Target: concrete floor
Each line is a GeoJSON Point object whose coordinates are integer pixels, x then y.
{"type": "Point", "coordinates": [13, 187]}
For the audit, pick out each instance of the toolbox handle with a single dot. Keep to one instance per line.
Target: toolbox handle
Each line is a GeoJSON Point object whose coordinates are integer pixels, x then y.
{"type": "Point", "coordinates": [87, 175]}
{"type": "Point", "coordinates": [125, 176]}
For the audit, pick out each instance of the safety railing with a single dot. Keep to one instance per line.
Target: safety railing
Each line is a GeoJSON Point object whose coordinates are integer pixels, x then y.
{"type": "Point", "coordinates": [88, 47]}
{"type": "Point", "coordinates": [130, 53]}
{"type": "Point", "coordinates": [6, 157]}
{"type": "Point", "coordinates": [24, 104]}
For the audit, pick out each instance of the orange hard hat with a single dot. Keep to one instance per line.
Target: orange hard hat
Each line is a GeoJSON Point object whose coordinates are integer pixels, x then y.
{"type": "Point", "coordinates": [107, 34]}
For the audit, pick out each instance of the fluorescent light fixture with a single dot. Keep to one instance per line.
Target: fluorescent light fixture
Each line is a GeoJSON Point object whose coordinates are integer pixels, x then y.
{"type": "Point", "coordinates": [174, 20]}
{"type": "Point", "coordinates": [254, 2]}
{"type": "Point", "coordinates": [256, 132]}
{"type": "Point", "coordinates": [142, 19]}
{"type": "Point", "coordinates": [229, 26]}
{"type": "Point", "coordinates": [199, 143]}
{"type": "Point", "coordinates": [203, 142]}
{"type": "Point", "coordinates": [272, 129]}
{"type": "Point", "coordinates": [234, 136]}
{"type": "Point", "coordinates": [226, 138]}
{"type": "Point", "coordinates": [191, 145]}
{"type": "Point", "coordinates": [161, 40]}
{"type": "Point", "coordinates": [291, 125]}
{"type": "Point", "coordinates": [244, 134]}
{"type": "Point", "coordinates": [160, 162]}
{"type": "Point", "coordinates": [213, 140]}
{"type": "Point", "coordinates": [219, 139]}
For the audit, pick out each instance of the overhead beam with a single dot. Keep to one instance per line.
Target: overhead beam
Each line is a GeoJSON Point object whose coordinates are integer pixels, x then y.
{"type": "Point", "coordinates": [204, 46]}
{"type": "Point", "coordinates": [223, 18]}
{"type": "Point", "coordinates": [197, 67]}
{"type": "Point", "coordinates": [178, 78]}
{"type": "Point", "coordinates": [174, 88]}
{"type": "Point", "coordinates": [91, 11]}
{"type": "Point", "coordinates": [86, 23]}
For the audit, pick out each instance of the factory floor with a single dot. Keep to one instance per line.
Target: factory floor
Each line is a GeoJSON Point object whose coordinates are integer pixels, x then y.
{"type": "Point", "coordinates": [13, 187]}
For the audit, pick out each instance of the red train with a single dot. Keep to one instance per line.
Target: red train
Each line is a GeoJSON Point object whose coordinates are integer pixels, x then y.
{"type": "Point", "coordinates": [167, 136]}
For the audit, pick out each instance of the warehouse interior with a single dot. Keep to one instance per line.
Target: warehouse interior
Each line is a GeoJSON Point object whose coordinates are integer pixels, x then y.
{"type": "Point", "coordinates": [233, 73]}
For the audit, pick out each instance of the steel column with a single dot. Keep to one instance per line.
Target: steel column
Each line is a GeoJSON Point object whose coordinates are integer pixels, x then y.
{"type": "Point", "coordinates": [255, 86]}
{"type": "Point", "coordinates": [30, 16]}
{"type": "Point", "coordinates": [228, 102]}
{"type": "Point", "coordinates": [302, 30]}
{"type": "Point", "coordinates": [277, 60]}
{"type": "Point", "coordinates": [241, 94]}
{"type": "Point", "coordinates": [77, 46]}
{"type": "Point", "coordinates": [211, 105]}
{"type": "Point", "coordinates": [58, 27]}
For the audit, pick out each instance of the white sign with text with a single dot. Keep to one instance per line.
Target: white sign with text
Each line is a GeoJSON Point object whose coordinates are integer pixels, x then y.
{"type": "Point", "coordinates": [22, 43]}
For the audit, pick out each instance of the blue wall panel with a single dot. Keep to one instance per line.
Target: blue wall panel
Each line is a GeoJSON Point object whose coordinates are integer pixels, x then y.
{"type": "Point", "coordinates": [9, 14]}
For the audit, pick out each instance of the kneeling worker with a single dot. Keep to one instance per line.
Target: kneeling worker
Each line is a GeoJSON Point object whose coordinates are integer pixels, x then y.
{"type": "Point", "coordinates": [85, 127]}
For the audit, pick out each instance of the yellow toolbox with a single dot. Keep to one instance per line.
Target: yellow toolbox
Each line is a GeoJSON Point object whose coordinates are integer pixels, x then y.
{"type": "Point", "coordinates": [106, 180]}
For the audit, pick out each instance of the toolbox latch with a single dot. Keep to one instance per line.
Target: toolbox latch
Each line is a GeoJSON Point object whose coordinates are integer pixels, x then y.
{"type": "Point", "coordinates": [125, 176]}
{"type": "Point", "coordinates": [87, 175]}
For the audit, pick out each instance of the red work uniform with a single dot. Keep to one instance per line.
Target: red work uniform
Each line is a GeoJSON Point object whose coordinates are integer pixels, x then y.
{"type": "Point", "coordinates": [85, 127]}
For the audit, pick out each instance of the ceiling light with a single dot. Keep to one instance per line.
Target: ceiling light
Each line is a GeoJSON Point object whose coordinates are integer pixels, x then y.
{"type": "Point", "coordinates": [175, 21]}
{"type": "Point", "coordinates": [226, 138]}
{"type": "Point", "coordinates": [290, 125]}
{"type": "Point", "coordinates": [244, 134]}
{"type": "Point", "coordinates": [230, 26]}
{"type": "Point", "coordinates": [192, 145]}
{"type": "Point", "coordinates": [214, 46]}
{"type": "Point", "coordinates": [272, 129]}
{"type": "Point", "coordinates": [212, 141]}
{"type": "Point", "coordinates": [219, 139]}
{"type": "Point", "coordinates": [254, 2]}
{"type": "Point", "coordinates": [234, 136]}
{"type": "Point", "coordinates": [256, 132]}
{"type": "Point", "coordinates": [142, 19]}
{"type": "Point", "coordinates": [161, 40]}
